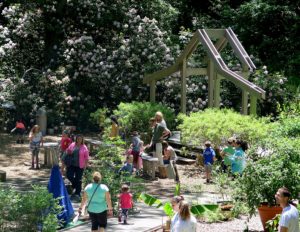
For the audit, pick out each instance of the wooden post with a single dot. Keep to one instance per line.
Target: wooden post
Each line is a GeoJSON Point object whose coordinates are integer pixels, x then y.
{"type": "Point", "coordinates": [152, 91]}
{"type": "Point", "coordinates": [211, 73]}
{"type": "Point", "coordinates": [253, 102]}
{"type": "Point", "coordinates": [217, 90]}
{"type": "Point", "coordinates": [183, 87]}
{"type": "Point", "coordinates": [245, 94]}
{"type": "Point", "coordinates": [2, 176]}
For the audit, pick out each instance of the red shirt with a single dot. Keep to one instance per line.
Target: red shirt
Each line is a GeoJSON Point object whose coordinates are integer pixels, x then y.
{"type": "Point", "coordinates": [20, 125]}
{"type": "Point", "coordinates": [64, 143]}
{"type": "Point", "coordinates": [126, 200]}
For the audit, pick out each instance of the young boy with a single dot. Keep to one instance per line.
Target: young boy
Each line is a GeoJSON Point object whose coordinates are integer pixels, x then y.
{"type": "Point", "coordinates": [209, 157]}
{"type": "Point", "coordinates": [127, 167]}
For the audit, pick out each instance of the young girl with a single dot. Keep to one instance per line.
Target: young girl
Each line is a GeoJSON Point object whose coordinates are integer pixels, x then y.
{"type": "Point", "coordinates": [35, 139]}
{"type": "Point", "coordinates": [185, 222]}
{"type": "Point", "coordinates": [239, 159]}
{"type": "Point", "coordinates": [125, 202]}
{"type": "Point", "coordinates": [64, 144]}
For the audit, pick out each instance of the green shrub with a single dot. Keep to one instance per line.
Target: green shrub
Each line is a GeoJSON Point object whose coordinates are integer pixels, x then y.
{"type": "Point", "coordinates": [218, 125]}
{"type": "Point", "coordinates": [28, 211]}
{"type": "Point", "coordinates": [277, 166]}
{"type": "Point", "coordinates": [135, 115]}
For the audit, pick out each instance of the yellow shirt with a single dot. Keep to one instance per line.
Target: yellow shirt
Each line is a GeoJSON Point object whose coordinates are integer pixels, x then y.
{"type": "Point", "coordinates": [114, 130]}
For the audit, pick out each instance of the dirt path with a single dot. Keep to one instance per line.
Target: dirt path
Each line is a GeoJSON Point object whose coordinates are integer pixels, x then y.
{"type": "Point", "coordinates": [15, 161]}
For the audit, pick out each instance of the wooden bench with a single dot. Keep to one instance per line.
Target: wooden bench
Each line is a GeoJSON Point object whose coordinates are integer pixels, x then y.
{"type": "Point", "coordinates": [150, 165]}
{"type": "Point", "coordinates": [92, 143]}
{"type": "Point", "coordinates": [51, 155]}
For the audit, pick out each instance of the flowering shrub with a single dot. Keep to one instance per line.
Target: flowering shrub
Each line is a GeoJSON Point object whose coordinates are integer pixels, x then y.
{"type": "Point", "coordinates": [94, 54]}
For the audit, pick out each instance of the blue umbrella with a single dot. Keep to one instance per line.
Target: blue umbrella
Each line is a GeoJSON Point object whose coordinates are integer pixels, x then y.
{"type": "Point", "coordinates": [57, 187]}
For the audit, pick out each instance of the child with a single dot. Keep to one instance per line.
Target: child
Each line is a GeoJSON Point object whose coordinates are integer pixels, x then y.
{"type": "Point", "coordinates": [135, 146]}
{"type": "Point", "coordinates": [20, 130]}
{"type": "Point", "coordinates": [64, 144]}
{"type": "Point", "coordinates": [140, 160]}
{"type": "Point", "coordinates": [238, 160]}
{"type": "Point", "coordinates": [127, 167]}
{"type": "Point", "coordinates": [209, 156]}
{"type": "Point", "coordinates": [227, 154]}
{"type": "Point", "coordinates": [35, 139]}
{"type": "Point", "coordinates": [125, 202]}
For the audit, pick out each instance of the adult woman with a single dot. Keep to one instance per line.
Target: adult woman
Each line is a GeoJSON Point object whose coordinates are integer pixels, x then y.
{"type": "Point", "coordinates": [169, 153]}
{"type": "Point", "coordinates": [35, 141]}
{"type": "Point", "coordinates": [98, 197]}
{"type": "Point", "coordinates": [238, 159]}
{"type": "Point", "coordinates": [76, 166]}
{"type": "Point", "coordinates": [185, 221]}
{"type": "Point", "coordinates": [159, 117]}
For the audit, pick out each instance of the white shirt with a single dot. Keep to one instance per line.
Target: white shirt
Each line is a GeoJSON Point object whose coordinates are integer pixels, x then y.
{"type": "Point", "coordinates": [290, 218]}
{"type": "Point", "coordinates": [37, 137]}
{"type": "Point", "coordinates": [179, 225]}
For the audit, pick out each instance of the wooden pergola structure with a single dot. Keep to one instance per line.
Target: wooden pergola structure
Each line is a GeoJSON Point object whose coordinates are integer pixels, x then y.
{"type": "Point", "coordinates": [216, 69]}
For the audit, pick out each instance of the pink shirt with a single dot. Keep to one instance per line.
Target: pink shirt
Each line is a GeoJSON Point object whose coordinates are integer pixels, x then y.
{"type": "Point", "coordinates": [126, 200]}
{"type": "Point", "coordinates": [83, 154]}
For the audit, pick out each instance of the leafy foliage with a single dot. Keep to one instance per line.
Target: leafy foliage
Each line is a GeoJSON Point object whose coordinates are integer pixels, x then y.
{"type": "Point", "coordinates": [278, 166]}
{"type": "Point", "coordinates": [28, 211]}
{"type": "Point", "coordinates": [109, 160]}
{"type": "Point", "coordinates": [198, 210]}
{"type": "Point", "coordinates": [135, 116]}
{"type": "Point", "coordinates": [218, 125]}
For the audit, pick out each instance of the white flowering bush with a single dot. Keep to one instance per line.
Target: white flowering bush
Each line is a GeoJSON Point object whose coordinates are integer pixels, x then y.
{"type": "Point", "coordinates": [77, 56]}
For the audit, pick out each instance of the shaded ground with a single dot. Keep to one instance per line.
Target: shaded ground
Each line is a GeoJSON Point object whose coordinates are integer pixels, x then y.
{"type": "Point", "coordinates": [15, 160]}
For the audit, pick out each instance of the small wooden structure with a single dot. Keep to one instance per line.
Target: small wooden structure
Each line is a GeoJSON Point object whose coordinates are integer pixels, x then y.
{"type": "Point", "coordinates": [216, 69]}
{"type": "Point", "coordinates": [92, 144]}
{"type": "Point", "coordinates": [51, 155]}
{"type": "Point", "coordinates": [150, 165]}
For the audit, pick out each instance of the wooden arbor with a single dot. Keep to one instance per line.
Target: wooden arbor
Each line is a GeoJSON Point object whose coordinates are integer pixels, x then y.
{"type": "Point", "coordinates": [216, 69]}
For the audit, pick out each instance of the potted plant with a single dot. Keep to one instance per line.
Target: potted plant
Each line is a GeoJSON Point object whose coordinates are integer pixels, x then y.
{"type": "Point", "coordinates": [278, 165]}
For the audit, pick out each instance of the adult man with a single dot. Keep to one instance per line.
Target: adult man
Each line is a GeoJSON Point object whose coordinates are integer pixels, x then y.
{"type": "Point", "coordinates": [289, 219]}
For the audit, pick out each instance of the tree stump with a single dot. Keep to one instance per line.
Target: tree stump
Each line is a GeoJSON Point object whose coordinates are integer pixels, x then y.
{"type": "Point", "coordinates": [2, 176]}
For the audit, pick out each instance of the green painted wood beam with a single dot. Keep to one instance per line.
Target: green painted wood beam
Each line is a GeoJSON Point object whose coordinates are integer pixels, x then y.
{"type": "Point", "coordinates": [224, 70]}
{"type": "Point", "coordinates": [196, 72]}
{"type": "Point", "coordinates": [211, 77]}
{"type": "Point", "coordinates": [253, 104]}
{"type": "Point", "coordinates": [161, 74]}
{"type": "Point", "coordinates": [215, 33]}
{"type": "Point", "coordinates": [183, 87]}
{"type": "Point", "coordinates": [152, 91]}
{"type": "Point", "coordinates": [217, 90]}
